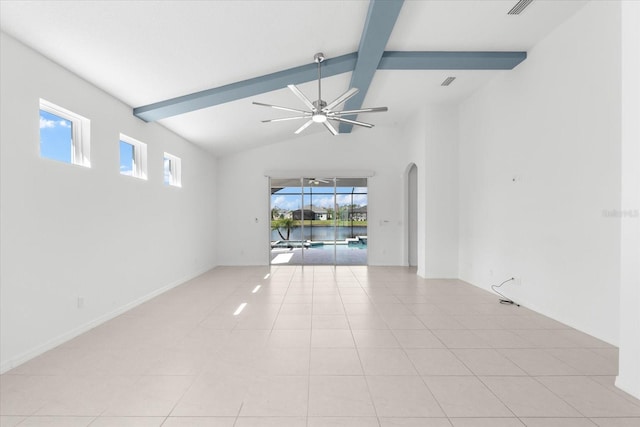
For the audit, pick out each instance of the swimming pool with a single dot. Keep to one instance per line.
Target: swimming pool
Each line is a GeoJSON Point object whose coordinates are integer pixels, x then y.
{"type": "Point", "coordinates": [320, 253]}
{"type": "Point", "coordinates": [351, 244]}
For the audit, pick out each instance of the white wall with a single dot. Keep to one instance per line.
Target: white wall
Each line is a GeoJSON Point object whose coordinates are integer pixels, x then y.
{"type": "Point", "coordinates": [553, 125]}
{"type": "Point", "coordinates": [69, 231]}
{"type": "Point", "coordinates": [432, 139]}
{"type": "Point", "coordinates": [243, 190]}
{"type": "Point", "coordinates": [629, 376]}
{"type": "Point", "coordinates": [429, 140]}
{"type": "Point", "coordinates": [441, 198]}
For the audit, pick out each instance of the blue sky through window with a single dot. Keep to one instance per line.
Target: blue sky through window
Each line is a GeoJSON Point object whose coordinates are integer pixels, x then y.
{"type": "Point", "coordinates": [126, 158]}
{"type": "Point", "coordinates": [55, 137]}
{"type": "Point", "coordinates": [288, 198]}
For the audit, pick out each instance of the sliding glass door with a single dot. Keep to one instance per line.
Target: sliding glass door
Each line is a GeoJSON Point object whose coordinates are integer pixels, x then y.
{"type": "Point", "coordinates": [318, 221]}
{"type": "Point", "coordinates": [351, 227]}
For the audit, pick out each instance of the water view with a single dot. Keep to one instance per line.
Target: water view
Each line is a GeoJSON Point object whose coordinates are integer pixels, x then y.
{"type": "Point", "coordinates": [321, 233]}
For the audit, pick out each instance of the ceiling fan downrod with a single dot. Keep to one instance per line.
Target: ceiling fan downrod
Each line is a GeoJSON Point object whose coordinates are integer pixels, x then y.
{"type": "Point", "coordinates": [319, 116]}
{"type": "Point", "coordinates": [319, 58]}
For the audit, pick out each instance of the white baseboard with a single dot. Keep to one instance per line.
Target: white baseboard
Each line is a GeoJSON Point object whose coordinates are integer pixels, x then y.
{"type": "Point", "coordinates": [628, 386]}
{"type": "Point", "coordinates": [61, 339]}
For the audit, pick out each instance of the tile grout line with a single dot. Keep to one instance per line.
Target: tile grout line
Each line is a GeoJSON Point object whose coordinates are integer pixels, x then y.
{"type": "Point", "coordinates": [310, 352]}
{"type": "Point", "coordinates": [237, 417]}
{"type": "Point", "coordinates": [404, 351]}
{"type": "Point", "coordinates": [355, 345]}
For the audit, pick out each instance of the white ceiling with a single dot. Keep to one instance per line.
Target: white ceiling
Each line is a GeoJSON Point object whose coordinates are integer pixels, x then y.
{"type": "Point", "coordinates": [147, 51]}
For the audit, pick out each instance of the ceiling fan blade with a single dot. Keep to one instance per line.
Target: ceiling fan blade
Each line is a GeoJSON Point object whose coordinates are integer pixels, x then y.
{"type": "Point", "coordinates": [287, 118]}
{"type": "Point", "coordinates": [303, 98]}
{"type": "Point", "coordinates": [331, 128]}
{"type": "Point", "coordinates": [304, 126]}
{"type": "Point", "coordinates": [316, 181]}
{"type": "Point", "coordinates": [342, 98]}
{"type": "Point", "coordinates": [363, 110]}
{"type": "Point", "coordinates": [353, 122]}
{"type": "Point", "coordinates": [277, 107]}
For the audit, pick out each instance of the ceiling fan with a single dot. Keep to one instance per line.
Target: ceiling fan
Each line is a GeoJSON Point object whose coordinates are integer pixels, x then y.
{"type": "Point", "coordinates": [320, 111]}
{"type": "Point", "coordinates": [318, 181]}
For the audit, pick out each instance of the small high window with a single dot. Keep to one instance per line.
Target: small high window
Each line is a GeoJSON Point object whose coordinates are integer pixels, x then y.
{"type": "Point", "coordinates": [172, 170]}
{"type": "Point", "coordinates": [64, 135]}
{"type": "Point", "coordinates": [133, 157]}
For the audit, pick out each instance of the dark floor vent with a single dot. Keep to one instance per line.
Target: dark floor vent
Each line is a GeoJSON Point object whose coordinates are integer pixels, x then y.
{"type": "Point", "coordinates": [447, 81]}
{"type": "Point", "coordinates": [519, 7]}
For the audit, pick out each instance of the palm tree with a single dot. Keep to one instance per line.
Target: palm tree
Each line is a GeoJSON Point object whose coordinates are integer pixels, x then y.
{"type": "Point", "coordinates": [283, 223]}
{"type": "Point", "coordinates": [330, 213]}
{"type": "Point", "coordinates": [275, 213]}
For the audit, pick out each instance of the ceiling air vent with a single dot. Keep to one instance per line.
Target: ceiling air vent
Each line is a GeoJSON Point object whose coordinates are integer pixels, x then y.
{"type": "Point", "coordinates": [519, 7]}
{"type": "Point", "coordinates": [447, 81]}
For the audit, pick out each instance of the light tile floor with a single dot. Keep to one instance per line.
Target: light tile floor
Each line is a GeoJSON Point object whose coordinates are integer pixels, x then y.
{"type": "Point", "coordinates": [316, 347]}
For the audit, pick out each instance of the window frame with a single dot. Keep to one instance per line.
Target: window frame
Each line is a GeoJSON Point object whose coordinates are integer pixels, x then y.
{"type": "Point", "coordinates": [175, 170]}
{"type": "Point", "coordinates": [139, 169]}
{"type": "Point", "coordinates": [80, 132]}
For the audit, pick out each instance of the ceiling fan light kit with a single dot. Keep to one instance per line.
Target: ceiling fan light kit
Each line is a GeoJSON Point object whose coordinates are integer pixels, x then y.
{"type": "Point", "coordinates": [319, 111]}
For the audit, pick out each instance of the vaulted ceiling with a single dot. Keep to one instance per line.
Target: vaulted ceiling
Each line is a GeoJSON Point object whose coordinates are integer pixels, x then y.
{"type": "Point", "coordinates": [217, 57]}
